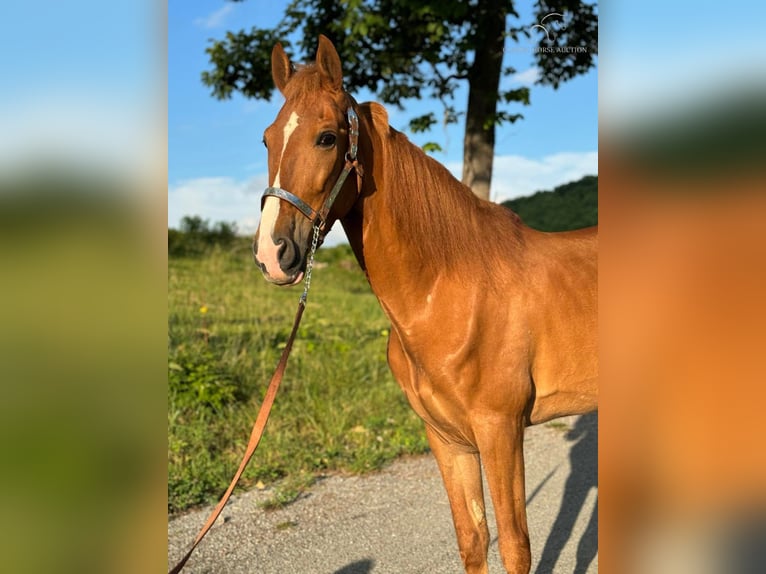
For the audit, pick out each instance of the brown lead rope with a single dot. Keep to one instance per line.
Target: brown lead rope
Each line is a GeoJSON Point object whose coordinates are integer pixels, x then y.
{"type": "Point", "coordinates": [263, 413]}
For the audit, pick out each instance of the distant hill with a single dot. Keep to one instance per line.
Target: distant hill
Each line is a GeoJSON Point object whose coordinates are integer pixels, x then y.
{"type": "Point", "coordinates": [569, 206]}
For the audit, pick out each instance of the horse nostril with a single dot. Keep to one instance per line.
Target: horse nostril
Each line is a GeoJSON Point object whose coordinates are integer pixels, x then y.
{"type": "Point", "coordinates": [287, 253]}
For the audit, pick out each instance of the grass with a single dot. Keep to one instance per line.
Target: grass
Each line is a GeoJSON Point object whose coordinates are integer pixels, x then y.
{"type": "Point", "coordinates": [558, 426]}
{"type": "Point", "coordinates": [339, 408]}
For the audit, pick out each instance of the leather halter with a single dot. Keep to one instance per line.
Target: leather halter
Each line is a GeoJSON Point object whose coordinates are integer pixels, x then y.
{"type": "Point", "coordinates": [319, 218]}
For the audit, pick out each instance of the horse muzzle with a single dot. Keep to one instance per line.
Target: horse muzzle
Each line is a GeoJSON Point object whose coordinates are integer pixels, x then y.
{"type": "Point", "coordinates": [280, 246]}
{"type": "Point", "coordinates": [282, 260]}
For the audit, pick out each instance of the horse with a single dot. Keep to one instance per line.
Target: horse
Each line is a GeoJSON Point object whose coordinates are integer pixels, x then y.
{"type": "Point", "coordinates": [493, 324]}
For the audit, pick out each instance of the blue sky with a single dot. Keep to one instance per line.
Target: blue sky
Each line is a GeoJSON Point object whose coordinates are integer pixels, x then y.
{"type": "Point", "coordinates": [658, 57]}
{"type": "Point", "coordinates": [216, 162]}
{"type": "Point", "coordinates": [80, 82]}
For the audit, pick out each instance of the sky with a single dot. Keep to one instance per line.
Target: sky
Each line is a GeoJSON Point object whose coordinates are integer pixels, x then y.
{"type": "Point", "coordinates": [79, 83]}
{"type": "Point", "coordinates": [84, 81]}
{"type": "Point", "coordinates": [662, 56]}
{"type": "Point", "coordinates": [217, 163]}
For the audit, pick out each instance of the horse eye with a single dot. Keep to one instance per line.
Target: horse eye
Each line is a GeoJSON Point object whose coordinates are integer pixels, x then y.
{"type": "Point", "coordinates": [326, 140]}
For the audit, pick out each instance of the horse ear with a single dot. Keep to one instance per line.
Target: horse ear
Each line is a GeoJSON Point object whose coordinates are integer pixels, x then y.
{"type": "Point", "coordinates": [281, 70]}
{"type": "Point", "coordinates": [328, 62]}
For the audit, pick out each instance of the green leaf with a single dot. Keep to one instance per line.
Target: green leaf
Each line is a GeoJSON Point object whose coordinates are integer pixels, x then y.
{"type": "Point", "coordinates": [423, 123]}
{"type": "Point", "coordinates": [518, 95]}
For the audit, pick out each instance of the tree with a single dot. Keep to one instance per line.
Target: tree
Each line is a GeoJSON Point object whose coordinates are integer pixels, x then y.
{"type": "Point", "coordinates": [572, 205]}
{"type": "Point", "coordinates": [400, 49]}
{"type": "Point", "coordinates": [195, 236]}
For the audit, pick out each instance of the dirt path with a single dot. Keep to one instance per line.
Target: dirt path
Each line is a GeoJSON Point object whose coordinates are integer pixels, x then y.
{"type": "Point", "coordinates": [397, 521]}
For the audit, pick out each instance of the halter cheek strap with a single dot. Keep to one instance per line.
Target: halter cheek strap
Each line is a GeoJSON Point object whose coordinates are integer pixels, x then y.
{"type": "Point", "coordinates": [319, 218]}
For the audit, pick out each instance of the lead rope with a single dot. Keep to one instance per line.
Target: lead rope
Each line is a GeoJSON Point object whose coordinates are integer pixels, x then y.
{"type": "Point", "coordinates": [265, 410]}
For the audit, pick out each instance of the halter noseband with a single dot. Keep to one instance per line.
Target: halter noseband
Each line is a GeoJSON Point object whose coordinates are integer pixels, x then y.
{"type": "Point", "coordinates": [319, 218]}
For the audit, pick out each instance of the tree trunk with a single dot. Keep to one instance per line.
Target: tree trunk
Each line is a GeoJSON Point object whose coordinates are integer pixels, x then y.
{"type": "Point", "coordinates": [483, 86]}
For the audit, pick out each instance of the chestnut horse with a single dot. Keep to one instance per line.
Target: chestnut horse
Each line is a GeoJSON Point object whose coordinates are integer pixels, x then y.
{"type": "Point", "coordinates": [493, 324]}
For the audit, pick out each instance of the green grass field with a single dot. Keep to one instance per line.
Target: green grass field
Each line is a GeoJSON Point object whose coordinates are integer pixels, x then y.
{"type": "Point", "coordinates": [339, 408]}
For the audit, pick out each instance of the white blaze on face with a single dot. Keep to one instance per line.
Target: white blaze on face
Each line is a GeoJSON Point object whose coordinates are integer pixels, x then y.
{"type": "Point", "coordinates": [268, 251]}
{"type": "Point", "coordinates": [287, 131]}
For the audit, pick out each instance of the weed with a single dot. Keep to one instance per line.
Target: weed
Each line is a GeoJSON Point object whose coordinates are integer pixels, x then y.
{"type": "Point", "coordinates": [557, 426]}
{"type": "Point", "coordinates": [337, 379]}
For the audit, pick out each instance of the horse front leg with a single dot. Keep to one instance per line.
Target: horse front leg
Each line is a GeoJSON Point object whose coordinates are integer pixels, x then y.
{"type": "Point", "coordinates": [501, 444]}
{"type": "Point", "coordinates": [461, 472]}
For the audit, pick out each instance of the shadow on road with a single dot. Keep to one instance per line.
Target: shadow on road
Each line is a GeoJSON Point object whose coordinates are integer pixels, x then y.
{"type": "Point", "coordinates": [358, 567]}
{"type": "Point", "coordinates": [583, 476]}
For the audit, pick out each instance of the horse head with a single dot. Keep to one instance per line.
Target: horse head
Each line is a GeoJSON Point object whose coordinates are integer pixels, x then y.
{"type": "Point", "coordinates": [310, 144]}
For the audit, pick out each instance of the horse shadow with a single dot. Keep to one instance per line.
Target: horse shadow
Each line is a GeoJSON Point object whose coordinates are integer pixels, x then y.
{"type": "Point", "coordinates": [583, 476]}
{"type": "Point", "coordinates": [359, 567]}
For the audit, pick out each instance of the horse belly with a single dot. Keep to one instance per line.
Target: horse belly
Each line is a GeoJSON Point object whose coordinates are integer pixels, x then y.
{"type": "Point", "coordinates": [565, 380]}
{"type": "Point", "coordinates": [564, 363]}
{"type": "Point", "coordinates": [578, 398]}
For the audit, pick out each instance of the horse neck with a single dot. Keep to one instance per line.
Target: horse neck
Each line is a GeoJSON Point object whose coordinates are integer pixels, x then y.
{"type": "Point", "coordinates": [415, 223]}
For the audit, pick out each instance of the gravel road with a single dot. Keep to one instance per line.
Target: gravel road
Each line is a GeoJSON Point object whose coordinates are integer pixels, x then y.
{"type": "Point", "coordinates": [397, 521]}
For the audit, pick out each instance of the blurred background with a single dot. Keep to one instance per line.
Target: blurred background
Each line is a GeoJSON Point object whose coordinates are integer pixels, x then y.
{"type": "Point", "coordinates": [682, 137]}
{"type": "Point", "coordinates": [82, 245]}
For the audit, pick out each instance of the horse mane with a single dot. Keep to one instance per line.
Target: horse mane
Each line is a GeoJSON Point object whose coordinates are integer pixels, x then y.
{"type": "Point", "coordinates": [439, 218]}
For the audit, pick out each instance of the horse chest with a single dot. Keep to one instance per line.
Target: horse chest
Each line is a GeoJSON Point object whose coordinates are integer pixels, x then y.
{"type": "Point", "coordinates": [432, 393]}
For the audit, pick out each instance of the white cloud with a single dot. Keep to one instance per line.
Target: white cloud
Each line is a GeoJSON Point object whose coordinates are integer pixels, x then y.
{"type": "Point", "coordinates": [215, 19]}
{"type": "Point", "coordinates": [217, 199]}
{"type": "Point", "coordinates": [517, 176]}
{"type": "Point", "coordinates": [526, 78]}
{"type": "Point", "coordinates": [225, 199]}
{"type": "Point", "coordinates": [228, 199]}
